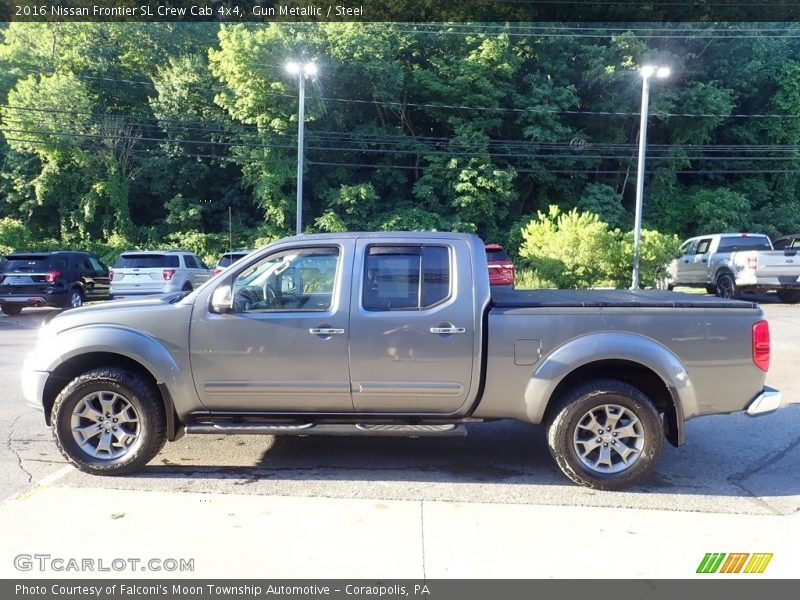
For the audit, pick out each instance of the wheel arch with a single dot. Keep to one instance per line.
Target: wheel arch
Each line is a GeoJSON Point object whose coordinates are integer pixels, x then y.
{"type": "Point", "coordinates": [634, 359]}
{"type": "Point", "coordinates": [81, 363]}
{"type": "Point", "coordinates": [635, 374]}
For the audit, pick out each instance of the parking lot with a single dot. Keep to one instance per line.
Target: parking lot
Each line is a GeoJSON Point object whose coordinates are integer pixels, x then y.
{"type": "Point", "coordinates": [442, 506]}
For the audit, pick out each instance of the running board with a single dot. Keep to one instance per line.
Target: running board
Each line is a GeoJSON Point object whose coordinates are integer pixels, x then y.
{"type": "Point", "coordinates": [446, 429]}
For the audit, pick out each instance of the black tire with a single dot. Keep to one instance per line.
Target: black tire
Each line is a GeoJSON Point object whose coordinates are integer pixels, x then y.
{"type": "Point", "coordinates": [569, 421]}
{"type": "Point", "coordinates": [789, 296]}
{"type": "Point", "coordinates": [187, 287]}
{"type": "Point", "coordinates": [727, 288]}
{"type": "Point", "coordinates": [11, 309]}
{"type": "Point", "coordinates": [711, 289]}
{"type": "Point", "coordinates": [140, 395]}
{"type": "Point", "coordinates": [74, 298]}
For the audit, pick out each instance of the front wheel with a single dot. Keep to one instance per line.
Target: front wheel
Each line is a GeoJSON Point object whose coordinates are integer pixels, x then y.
{"type": "Point", "coordinates": [109, 421]}
{"type": "Point", "coordinates": [605, 435]}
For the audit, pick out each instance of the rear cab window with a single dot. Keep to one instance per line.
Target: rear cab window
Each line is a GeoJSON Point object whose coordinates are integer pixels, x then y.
{"type": "Point", "coordinates": [400, 277]}
{"type": "Point", "coordinates": [739, 243]}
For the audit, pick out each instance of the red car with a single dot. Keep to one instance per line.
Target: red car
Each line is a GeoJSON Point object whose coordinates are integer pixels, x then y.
{"type": "Point", "coordinates": [501, 269]}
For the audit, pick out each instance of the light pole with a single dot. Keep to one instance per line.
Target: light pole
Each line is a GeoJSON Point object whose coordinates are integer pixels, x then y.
{"type": "Point", "coordinates": [646, 72]}
{"type": "Point", "coordinates": [301, 71]}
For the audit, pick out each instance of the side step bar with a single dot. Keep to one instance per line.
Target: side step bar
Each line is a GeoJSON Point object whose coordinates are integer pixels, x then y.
{"type": "Point", "coordinates": [446, 429]}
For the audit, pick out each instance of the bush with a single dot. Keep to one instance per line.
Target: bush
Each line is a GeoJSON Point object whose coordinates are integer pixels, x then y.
{"type": "Point", "coordinates": [567, 250]}
{"type": "Point", "coordinates": [578, 250]}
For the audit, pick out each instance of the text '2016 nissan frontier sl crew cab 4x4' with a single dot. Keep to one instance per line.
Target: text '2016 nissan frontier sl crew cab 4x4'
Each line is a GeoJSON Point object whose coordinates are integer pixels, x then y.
{"type": "Point", "coordinates": [395, 334]}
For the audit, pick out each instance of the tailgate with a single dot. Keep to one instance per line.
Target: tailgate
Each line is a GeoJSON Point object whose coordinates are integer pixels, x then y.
{"type": "Point", "coordinates": [786, 267]}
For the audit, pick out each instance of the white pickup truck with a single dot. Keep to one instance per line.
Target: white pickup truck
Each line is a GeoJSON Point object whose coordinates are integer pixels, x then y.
{"type": "Point", "coordinates": [727, 264]}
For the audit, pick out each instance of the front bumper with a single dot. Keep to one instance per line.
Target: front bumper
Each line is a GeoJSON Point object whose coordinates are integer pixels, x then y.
{"type": "Point", "coordinates": [768, 401]}
{"type": "Point", "coordinates": [33, 383]}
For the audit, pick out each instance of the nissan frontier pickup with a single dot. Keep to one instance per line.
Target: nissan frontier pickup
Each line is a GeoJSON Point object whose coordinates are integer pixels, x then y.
{"type": "Point", "coordinates": [395, 334]}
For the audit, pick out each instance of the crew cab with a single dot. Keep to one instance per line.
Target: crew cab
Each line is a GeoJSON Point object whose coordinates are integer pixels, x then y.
{"type": "Point", "coordinates": [728, 264]}
{"type": "Point", "coordinates": [395, 334]}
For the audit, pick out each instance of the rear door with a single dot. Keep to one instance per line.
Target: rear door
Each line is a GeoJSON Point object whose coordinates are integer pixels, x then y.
{"type": "Point", "coordinates": [412, 329]}
{"type": "Point", "coordinates": [198, 272]}
{"type": "Point", "coordinates": [101, 283]}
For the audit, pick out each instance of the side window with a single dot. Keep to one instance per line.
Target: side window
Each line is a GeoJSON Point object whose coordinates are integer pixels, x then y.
{"type": "Point", "coordinates": [687, 247]}
{"type": "Point", "coordinates": [96, 264]}
{"type": "Point", "coordinates": [703, 245]}
{"type": "Point", "coordinates": [405, 277]}
{"type": "Point", "coordinates": [780, 244]}
{"type": "Point", "coordinates": [300, 279]}
{"type": "Point", "coordinates": [190, 261]}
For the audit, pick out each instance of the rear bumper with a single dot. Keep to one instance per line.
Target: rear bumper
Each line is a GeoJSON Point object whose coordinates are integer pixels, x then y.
{"type": "Point", "coordinates": [35, 299]}
{"type": "Point", "coordinates": [768, 401]}
{"type": "Point", "coordinates": [768, 282]}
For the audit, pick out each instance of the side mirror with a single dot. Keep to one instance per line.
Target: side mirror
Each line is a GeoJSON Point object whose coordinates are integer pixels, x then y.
{"type": "Point", "coordinates": [222, 300]}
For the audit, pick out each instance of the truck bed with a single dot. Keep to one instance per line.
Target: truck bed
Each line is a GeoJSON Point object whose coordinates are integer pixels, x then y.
{"type": "Point", "coordinates": [510, 298]}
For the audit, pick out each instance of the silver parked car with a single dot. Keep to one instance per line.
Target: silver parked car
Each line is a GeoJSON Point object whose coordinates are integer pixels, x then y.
{"type": "Point", "coordinates": [145, 272]}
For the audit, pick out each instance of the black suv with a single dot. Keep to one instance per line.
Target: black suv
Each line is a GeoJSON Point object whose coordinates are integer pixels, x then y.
{"type": "Point", "coordinates": [61, 278]}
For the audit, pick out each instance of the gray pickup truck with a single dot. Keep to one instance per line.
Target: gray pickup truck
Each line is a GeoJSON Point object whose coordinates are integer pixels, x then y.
{"type": "Point", "coordinates": [395, 334]}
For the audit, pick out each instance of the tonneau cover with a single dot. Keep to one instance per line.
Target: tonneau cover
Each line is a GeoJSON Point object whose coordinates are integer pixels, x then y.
{"type": "Point", "coordinates": [504, 298]}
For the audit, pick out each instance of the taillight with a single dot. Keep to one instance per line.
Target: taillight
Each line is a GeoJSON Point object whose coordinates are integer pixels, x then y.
{"type": "Point", "coordinates": [217, 271]}
{"type": "Point", "coordinates": [51, 276]}
{"type": "Point", "coordinates": [168, 274]}
{"type": "Point", "coordinates": [111, 274]}
{"type": "Point", "coordinates": [752, 262]}
{"type": "Point", "coordinates": [761, 345]}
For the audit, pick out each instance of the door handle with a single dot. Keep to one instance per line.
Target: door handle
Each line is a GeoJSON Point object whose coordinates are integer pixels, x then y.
{"type": "Point", "coordinates": [703, 260]}
{"type": "Point", "coordinates": [686, 261]}
{"type": "Point", "coordinates": [325, 331]}
{"type": "Point", "coordinates": [448, 330]}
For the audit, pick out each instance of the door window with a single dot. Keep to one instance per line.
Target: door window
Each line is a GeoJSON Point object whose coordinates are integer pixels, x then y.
{"type": "Point", "coordinates": [300, 279]}
{"type": "Point", "coordinates": [703, 245]}
{"type": "Point", "coordinates": [406, 277]}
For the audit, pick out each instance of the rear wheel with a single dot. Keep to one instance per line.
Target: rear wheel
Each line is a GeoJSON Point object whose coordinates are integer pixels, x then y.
{"type": "Point", "coordinates": [789, 296]}
{"type": "Point", "coordinates": [727, 288]}
{"type": "Point", "coordinates": [74, 298]}
{"type": "Point", "coordinates": [606, 435]}
{"type": "Point", "coordinates": [11, 309]}
{"type": "Point", "coordinates": [109, 422]}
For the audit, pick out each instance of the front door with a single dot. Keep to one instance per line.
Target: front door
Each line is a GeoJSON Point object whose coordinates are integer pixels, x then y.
{"type": "Point", "coordinates": [283, 347]}
{"type": "Point", "coordinates": [412, 330]}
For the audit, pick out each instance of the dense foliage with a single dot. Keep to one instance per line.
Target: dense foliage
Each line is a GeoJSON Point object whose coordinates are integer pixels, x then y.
{"type": "Point", "coordinates": [120, 135]}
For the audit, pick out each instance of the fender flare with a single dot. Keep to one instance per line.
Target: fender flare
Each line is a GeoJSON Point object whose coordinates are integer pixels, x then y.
{"type": "Point", "coordinates": [597, 347]}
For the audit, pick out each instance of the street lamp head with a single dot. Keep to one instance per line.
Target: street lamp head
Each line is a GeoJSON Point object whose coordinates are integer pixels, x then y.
{"type": "Point", "coordinates": [310, 69]}
{"type": "Point", "coordinates": [293, 67]}
{"type": "Point", "coordinates": [647, 71]}
{"type": "Point", "coordinates": [663, 72]}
